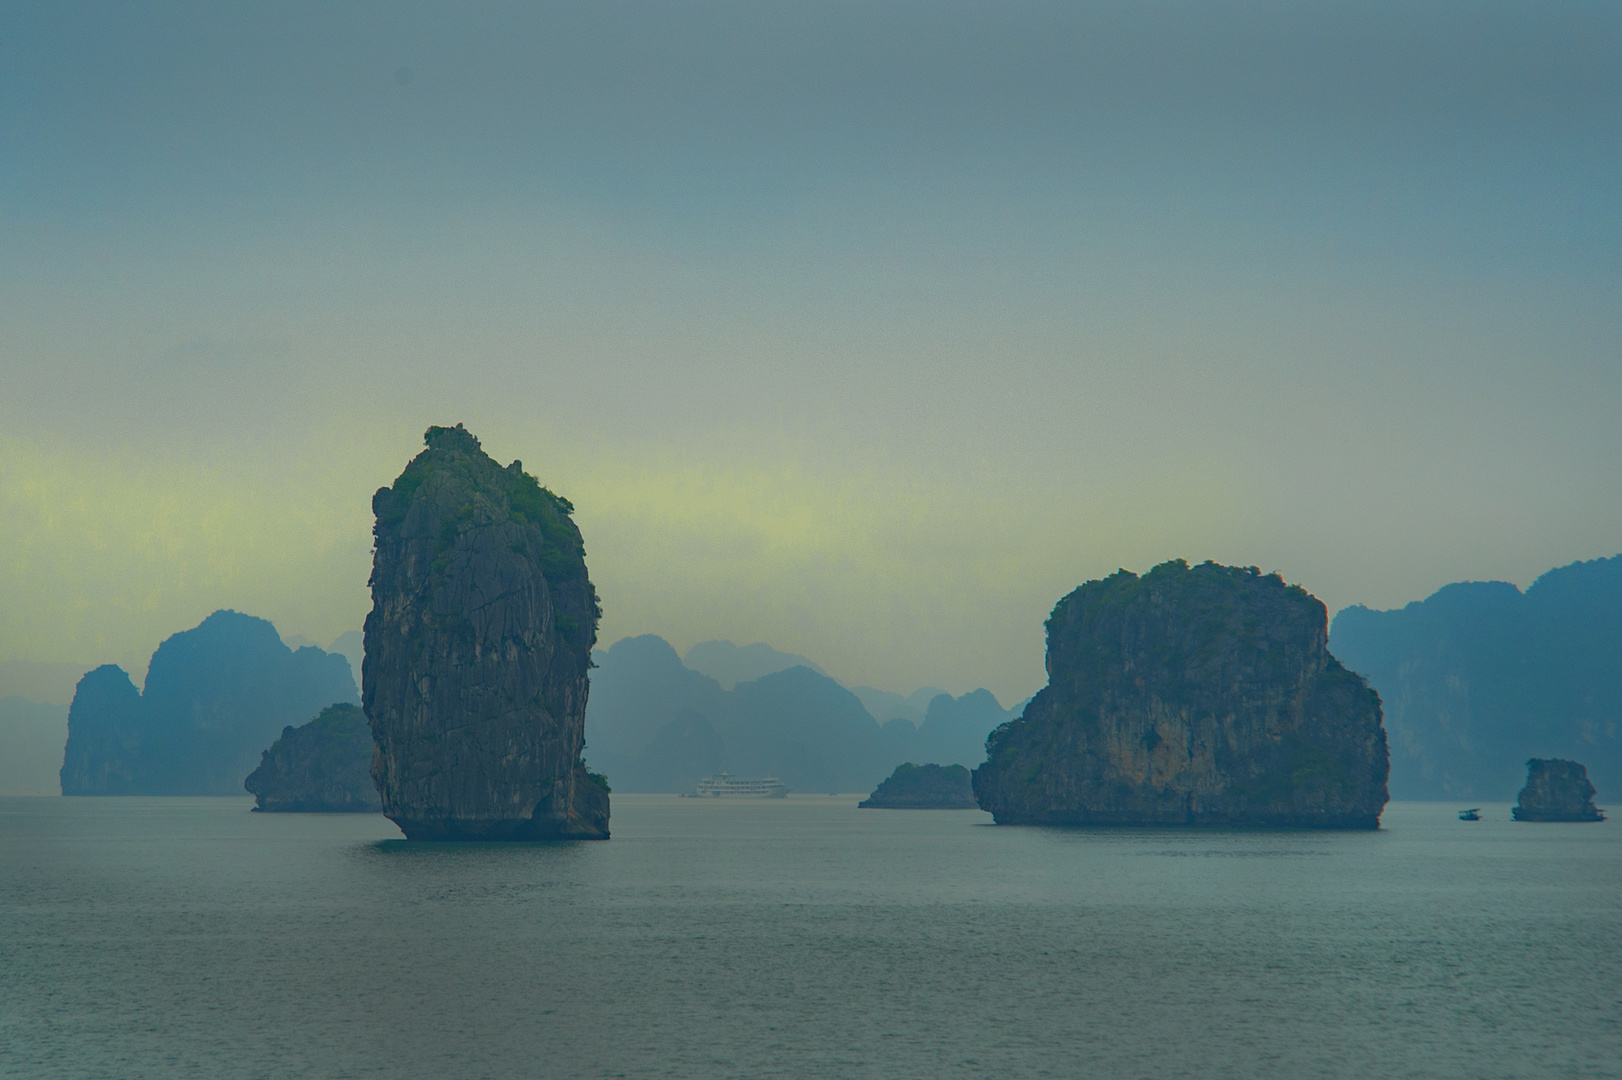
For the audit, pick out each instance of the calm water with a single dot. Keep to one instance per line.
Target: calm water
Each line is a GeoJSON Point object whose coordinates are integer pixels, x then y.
{"type": "Point", "coordinates": [188, 937]}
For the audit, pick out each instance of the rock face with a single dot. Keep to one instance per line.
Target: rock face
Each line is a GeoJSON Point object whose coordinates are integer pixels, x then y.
{"type": "Point", "coordinates": [924, 787]}
{"type": "Point", "coordinates": [1198, 695]}
{"type": "Point", "coordinates": [1480, 676]}
{"type": "Point", "coordinates": [477, 650]}
{"type": "Point", "coordinates": [215, 697]}
{"type": "Point", "coordinates": [323, 767]}
{"type": "Point", "coordinates": [1556, 790]}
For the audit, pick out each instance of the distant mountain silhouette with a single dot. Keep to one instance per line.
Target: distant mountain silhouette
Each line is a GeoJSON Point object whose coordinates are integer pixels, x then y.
{"type": "Point", "coordinates": [807, 730]}
{"type": "Point", "coordinates": [216, 696]}
{"type": "Point", "coordinates": [655, 724]}
{"type": "Point", "coordinates": [955, 729]}
{"type": "Point", "coordinates": [638, 689]}
{"type": "Point", "coordinates": [1479, 677]}
{"type": "Point", "coordinates": [730, 664]}
{"type": "Point", "coordinates": [352, 646]}
{"type": "Point", "coordinates": [885, 705]}
{"type": "Point", "coordinates": [31, 739]}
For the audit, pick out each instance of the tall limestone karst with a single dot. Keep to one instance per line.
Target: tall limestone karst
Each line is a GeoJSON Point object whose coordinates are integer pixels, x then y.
{"type": "Point", "coordinates": [1200, 695]}
{"type": "Point", "coordinates": [216, 695]}
{"type": "Point", "coordinates": [105, 727]}
{"type": "Point", "coordinates": [477, 650]}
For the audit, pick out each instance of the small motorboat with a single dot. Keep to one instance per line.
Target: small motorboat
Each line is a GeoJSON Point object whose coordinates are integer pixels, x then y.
{"type": "Point", "coordinates": [1472, 814]}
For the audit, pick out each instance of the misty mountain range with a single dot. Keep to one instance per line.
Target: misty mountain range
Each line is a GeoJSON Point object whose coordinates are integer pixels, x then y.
{"type": "Point", "coordinates": [351, 645]}
{"type": "Point", "coordinates": [1474, 680]}
{"type": "Point", "coordinates": [1479, 677]}
{"type": "Point", "coordinates": [730, 664]}
{"type": "Point", "coordinates": [654, 723]}
{"type": "Point", "coordinates": [215, 697]}
{"type": "Point", "coordinates": [220, 693]}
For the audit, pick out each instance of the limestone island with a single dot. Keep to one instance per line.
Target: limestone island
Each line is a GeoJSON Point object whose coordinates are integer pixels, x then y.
{"type": "Point", "coordinates": [323, 767]}
{"type": "Point", "coordinates": [1556, 790]}
{"type": "Point", "coordinates": [213, 698]}
{"type": "Point", "coordinates": [1191, 696]}
{"type": "Point", "coordinates": [477, 650]}
{"type": "Point", "coordinates": [924, 787]}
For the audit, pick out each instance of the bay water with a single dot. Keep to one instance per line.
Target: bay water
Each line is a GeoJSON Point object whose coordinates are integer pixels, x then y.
{"type": "Point", "coordinates": [801, 938]}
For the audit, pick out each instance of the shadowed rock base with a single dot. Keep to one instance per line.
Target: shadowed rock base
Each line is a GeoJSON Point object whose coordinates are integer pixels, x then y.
{"type": "Point", "coordinates": [1194, 818]}
{"type": "Point", "coordinates": [553, 820]}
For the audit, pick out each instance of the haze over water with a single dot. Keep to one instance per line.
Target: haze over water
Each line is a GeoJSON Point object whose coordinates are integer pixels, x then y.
{"type": "Point", "coordinates": [864, 329]}
{"type": "Point", "coordinates": [806, 938]}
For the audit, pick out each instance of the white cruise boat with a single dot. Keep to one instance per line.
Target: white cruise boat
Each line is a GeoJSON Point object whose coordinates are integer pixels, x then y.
{"type": "Point", "coordinates": [740, 787]}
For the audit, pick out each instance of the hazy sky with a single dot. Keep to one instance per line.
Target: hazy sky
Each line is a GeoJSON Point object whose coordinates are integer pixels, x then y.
{"type": "Point", "coordinates": [866, 329]}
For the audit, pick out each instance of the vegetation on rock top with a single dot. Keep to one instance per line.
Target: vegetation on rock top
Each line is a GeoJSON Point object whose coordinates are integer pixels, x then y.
{"type": "Point", "coordinates": [924, 787]}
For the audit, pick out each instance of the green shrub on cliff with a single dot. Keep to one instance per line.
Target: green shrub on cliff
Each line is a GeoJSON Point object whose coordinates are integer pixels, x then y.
{"type": "Point", "coordinates": [924, 787]}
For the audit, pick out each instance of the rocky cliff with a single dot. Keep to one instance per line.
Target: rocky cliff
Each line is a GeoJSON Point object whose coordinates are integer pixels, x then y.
{"type": "Point", "coordinates": [215, 697]}
{"type": "Point", "coordinates": [477, 649]}
{"type": "Point", "coordinates": [1480, 676]}
{"type": "Point", "coordinates": [1556, 790]}
{"type": "Point", "coordinates": [1200, 695]}
{"type": "Point", "coordinates": [924, 787]}
{"type": "Point", "coordinates": [323, 767]}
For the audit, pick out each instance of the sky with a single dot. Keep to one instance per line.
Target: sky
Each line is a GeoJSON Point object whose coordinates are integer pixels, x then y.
{"type": "Point", "coordinates": [865, 329]}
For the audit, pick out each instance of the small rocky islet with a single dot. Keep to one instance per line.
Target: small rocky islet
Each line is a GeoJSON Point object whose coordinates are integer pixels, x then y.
{"type": "Point", "coordinates": [477, 652]}
{"type": "Point", "coordinates": [1556, 790]}
{"type": "Point", "coordinates": [322, 767]}
{"type": "Point", "coordinates": [924, 787]}
{"type": "Point", "coordinates": [1192, 696]}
